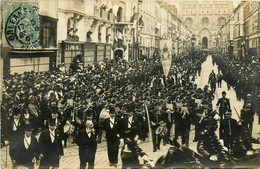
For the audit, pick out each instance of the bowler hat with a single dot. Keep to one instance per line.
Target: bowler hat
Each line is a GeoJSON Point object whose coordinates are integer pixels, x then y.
{"type": "Point", "coordinates": [51, 122]}
{"type": "Point", "coordinates": [16, 111]}
{"type": "Point", "coordinates": [224, 92]}
{"type": "Point", "coordinates": [28, 127]}
{"type": "Point", "coordinates": [111, 110]}
{"type": "Point", "coordinates": [228, 112]}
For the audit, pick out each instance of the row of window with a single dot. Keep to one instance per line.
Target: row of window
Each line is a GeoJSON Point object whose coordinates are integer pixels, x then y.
{"type": "Point", "coordinates": [194, 11]}
{"type": "Point", "coordinates": [205, 6]}
{"type": "Point", "coordinates": [251, 6]}
{"type": "Point", "coordinates": [205, 21]}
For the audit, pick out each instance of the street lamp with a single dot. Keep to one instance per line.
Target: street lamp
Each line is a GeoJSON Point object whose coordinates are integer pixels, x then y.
{"type": "Point", "coordinates": [193, 40]}
{"type": "Point", "coordinates": [137, 42]}
{"type": "Point", "coordinates": [178, 38]}
{"type": "Point", "coordinates": [115, 9]}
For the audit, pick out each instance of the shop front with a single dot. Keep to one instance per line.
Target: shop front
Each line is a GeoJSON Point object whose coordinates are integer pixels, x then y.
{"type": "Point", "coordinates": [92, 53]}
{"type": "Point", "coordinates": [20, 61]}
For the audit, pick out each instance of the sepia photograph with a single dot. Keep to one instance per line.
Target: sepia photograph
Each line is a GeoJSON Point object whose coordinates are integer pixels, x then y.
{"type": "Point", "coordinates": [129, 84]}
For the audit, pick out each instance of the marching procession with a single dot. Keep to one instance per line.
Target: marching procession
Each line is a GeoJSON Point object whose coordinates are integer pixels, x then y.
{"type": "Point", "coordinates": [124, 104]}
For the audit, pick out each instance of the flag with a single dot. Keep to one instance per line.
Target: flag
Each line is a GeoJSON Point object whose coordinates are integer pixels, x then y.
{"type": "Point", "coordinates": [166, 55]}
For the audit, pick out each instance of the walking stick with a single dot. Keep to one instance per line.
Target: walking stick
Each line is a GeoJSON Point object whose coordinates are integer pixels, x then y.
{"type": "Point", "coordinates": [237, 113]}
{"type": "Point", "coordinates": [6, 155]}
{"type": "Point", "coordinates": [149, 125]}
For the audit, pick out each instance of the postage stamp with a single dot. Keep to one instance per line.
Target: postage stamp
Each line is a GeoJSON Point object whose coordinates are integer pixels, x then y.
{"type": "Point", "coordinates": [22, 24]}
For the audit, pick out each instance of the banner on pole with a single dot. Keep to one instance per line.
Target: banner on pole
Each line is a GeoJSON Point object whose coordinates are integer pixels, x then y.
{"type": "Point", "coordinates": [166, 55]}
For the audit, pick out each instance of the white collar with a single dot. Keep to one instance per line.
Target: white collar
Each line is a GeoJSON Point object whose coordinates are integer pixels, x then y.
{"type": "Point", "coordinates": [27, 141]}
{"type": "Point", "coordinates": [52, 132]}
{"type": "Point", "coordinates": [130, 118]}
{"type": "Point", "coordinates": [112, 119]}
{"type": "Point", "coordinates": [88, 132]}
{"type": "Point", "coordinates": [16, 120]}
{"type": "Point", "coordinates": [27, 138]}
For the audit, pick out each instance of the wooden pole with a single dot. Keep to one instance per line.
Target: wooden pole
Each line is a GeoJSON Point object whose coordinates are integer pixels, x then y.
{"type": "Point", "coordinates": [6, 155]}
{"type": "Point", "coordinates": [149, 125]}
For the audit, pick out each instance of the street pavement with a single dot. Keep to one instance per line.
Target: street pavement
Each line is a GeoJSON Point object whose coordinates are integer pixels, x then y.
{"type": "Point", "coordinates": [71, 158]}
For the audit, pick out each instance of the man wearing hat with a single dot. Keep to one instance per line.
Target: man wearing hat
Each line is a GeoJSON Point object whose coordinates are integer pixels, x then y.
{"type": "Point", "coordinates": [247, 113]}
{"type": "Point", "coordinates": [156, 119]}
{"type": "Point", "coordinates": [27, 148]}
{"type": "Point", "coordinates": [178, 118]}
{"type": "Point", "coordinates": [131, 121]}
{"type": "Point", "coordinates": [247, 118]}
{"type": "Point", "coordinates": [223, 104]}
{"type": "Point", "coordinates": [248, 100]}
{"type": "Point", "coordinates": [219, 78]}
{"type": "Point", "coordinates": [112, 127]}
{"type": "Point", "coordinates": [209, 146]}
{"type": "Point", "coordinates": [131, 151]}
{"type": "Point", "coordinates": [212, 81]}
{"type": "Point", "coordinates": [14, 129]}
{"type": "Point", "coordinates": [228, 131]}
{"type": "Point", "coordinates": [86, 140]}
{"type": "Point", "coordinates": [51, 148]}
{"type": "Point", "coordinates": [35, 113]}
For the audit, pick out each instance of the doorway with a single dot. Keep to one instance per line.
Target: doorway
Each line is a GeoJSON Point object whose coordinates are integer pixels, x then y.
{"type": "Point", "coordinates": [118, 54]}
{"type": "Point", "coordinates": [205, 42]}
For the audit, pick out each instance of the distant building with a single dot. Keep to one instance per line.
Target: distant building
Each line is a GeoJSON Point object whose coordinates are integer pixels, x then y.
{"type": "Point", "coordinates": [252, 29]}
{"type": "Point", "coordinates": [205, 18]}
{"type": "Point", "coordinates": [244, 31]}
{"type": "Point", "coordinates": [238, 32]}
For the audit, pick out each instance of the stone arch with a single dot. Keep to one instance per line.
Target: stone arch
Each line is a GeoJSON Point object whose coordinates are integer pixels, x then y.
{"type": "Point", "coordinates": [205, 21]}
{"type": "Point", "coordinates": [121, 11]}
{"type": "Point", "coordinates": [221, 21]}
{"type": "Point", "coordinates": [205, 33]}
{"type": "Point", "coordinates": [188, 22]}
{"type": "Point", "coordinates": [205, 42]}
{"type": "Point", "coordinates": [119, 15]}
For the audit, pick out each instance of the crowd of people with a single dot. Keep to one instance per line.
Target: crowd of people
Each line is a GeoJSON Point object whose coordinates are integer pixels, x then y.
{"type": "Point", "coordinates": [242, 75]}
{"type": "Point", "coordinates": [127, 100]}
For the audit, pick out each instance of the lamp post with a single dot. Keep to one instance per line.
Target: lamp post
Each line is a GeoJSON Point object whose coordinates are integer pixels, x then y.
{"type": "Point", "coordinates": [137, 51]}
{"type": "Point", "coordinates": [115, 9]}
{"type": "Point", "coordinates": [178, 36]}
{"type": "Point", "coordinates": [218, 40]}
{"type": "Point", "coordinates": [193, 40]}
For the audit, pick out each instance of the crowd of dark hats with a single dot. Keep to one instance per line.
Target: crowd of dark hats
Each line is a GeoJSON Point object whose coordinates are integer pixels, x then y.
{"type": "Point", "coordinates": [242, 74]}
{"type": "Point", "coordinates": [127, 86]}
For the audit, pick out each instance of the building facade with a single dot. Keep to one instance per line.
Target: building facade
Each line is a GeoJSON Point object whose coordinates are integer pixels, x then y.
{"type": "Point", "coordinates": [95, 30]}
{"type": "Point", "coordinates": [225, 41]}
{"type": "Point", "coordinates": [86, 29]}
{"type": "Point", "coordinates": [238, 31]}
{"type": "Point", "coordinates": [246, 31]}
{"type": "Point", "coordinates": [205, 18]}
{"type": "Point", "coordinates": [252, 28]}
